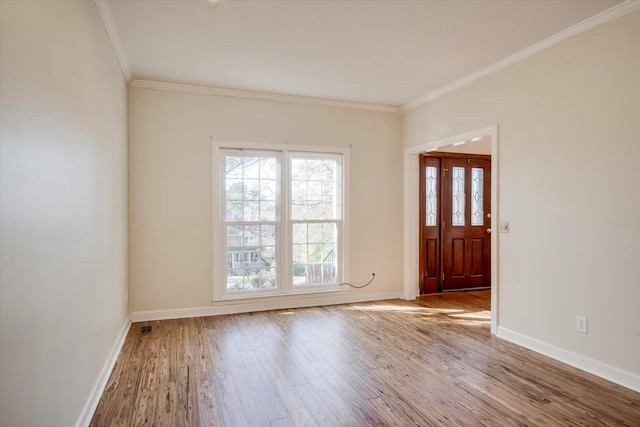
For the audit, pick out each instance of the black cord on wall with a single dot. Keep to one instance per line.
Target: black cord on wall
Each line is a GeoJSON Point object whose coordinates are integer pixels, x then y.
{"type": "Point", "coordinates": [373, 276]}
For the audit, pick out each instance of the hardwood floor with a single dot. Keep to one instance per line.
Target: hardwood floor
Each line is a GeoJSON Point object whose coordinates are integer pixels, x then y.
{"type": "Point", "coordinates": [389, 363]}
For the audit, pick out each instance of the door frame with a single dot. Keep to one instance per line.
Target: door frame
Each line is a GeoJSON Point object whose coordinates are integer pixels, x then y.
{"type": "Point", "coordinates": [411, 216]}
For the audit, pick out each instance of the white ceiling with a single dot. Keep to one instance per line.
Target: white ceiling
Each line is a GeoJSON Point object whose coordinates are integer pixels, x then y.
{"type": "Point", "coordinates": [380, 52]}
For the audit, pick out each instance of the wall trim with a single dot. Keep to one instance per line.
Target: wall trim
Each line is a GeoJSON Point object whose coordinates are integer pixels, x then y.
{"type": "Point", "coordinates": [233, 307]}
{"type": "Point", "coordinates": [114, 36]}
{"type": "Point", "coordinates": [265, 96]}
{"type": "Point", "coordinates": [619, 376]}
{"type": "Point", "coordinates": [603, 17]}
{"type": "Point", "coordinates": [101, 382]}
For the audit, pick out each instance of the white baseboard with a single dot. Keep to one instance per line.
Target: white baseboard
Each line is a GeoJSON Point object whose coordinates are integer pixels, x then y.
{"type": "Point", "coordinates": [621, 377]}
{"type": "Point", "coordinates": [101, 382]}
{"type": "Point", "coordinates": [234, 307]}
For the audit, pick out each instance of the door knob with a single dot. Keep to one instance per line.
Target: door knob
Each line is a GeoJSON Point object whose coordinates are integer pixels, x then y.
{"type": "Point", "coordinates": [489, 230]}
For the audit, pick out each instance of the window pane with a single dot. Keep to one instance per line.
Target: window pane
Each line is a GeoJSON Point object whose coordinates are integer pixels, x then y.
{"type": "Point", "coordinates": [457, 193]}
{"type": "Point", "coordinates": [314, 188]}
{"type": "Point", "coordinates": [477, 196]}
{"type": "Point", "coordinates": [315, 249]}
{"type": "Point", "coordinates": [251, 257]}
{"type": "Point", "coordinates": [234, 210]}
{"type": "Point", "coordinates": [431, 195]}
{"type": "Point", "coordinates": [251, 210]}
{"type": "Point", "coordinates": [250, 187]}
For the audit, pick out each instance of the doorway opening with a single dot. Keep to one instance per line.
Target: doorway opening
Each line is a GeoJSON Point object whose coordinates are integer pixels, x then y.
{"type": "Point", "coordinates": [458, 144]}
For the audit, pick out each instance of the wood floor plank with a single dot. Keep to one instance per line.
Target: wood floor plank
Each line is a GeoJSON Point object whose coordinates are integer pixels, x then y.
{"type": "Point", "coordinates": [145, 408]}
{"type": "Point", "coordinates": [227, 398]}
{"type": "Point", "coordinates": [249, 398]}
{"type": "Point", "coordinates": [209, 412]}
{"type": "Point", "coordinates": [166, 410]}
{"type": "Point", "coordinates": [282, 422]}
{"type": "Point", "coordinates": [321, 413]}
{"type": "Point", "coordinates": [347, 413]}
{"type": "Point", "coordinates": [302, 418]}
{"type": "Point", "coordinates": [283, 387]}
{"type": "Point", "coordinates": [266, 392]}
{"type": "Point", "coordinates": [185, 402]}
{"type": "Point", "coordinates": [432, 362]}
{"type": "Point", "coordinates": [168, 352]}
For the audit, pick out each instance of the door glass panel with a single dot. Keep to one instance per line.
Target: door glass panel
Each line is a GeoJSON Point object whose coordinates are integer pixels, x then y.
{"type": "Point", "coordinates": [477, 196]}
{"type": "Point", "coordinates": [432, 195]}
{"type": "Point", "coordinates": [457, 193]}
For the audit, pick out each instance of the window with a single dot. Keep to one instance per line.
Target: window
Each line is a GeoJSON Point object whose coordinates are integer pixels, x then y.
{"type": "Point", "coordinates": [316, 212]}
{"type": "Point", "coordinates": [282, 215]}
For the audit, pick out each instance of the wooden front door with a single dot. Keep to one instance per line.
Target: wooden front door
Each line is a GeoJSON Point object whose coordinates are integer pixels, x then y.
{"type": "Point", "coordinates": [455, 239]}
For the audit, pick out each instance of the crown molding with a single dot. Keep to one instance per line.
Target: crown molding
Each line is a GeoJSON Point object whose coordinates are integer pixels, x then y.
{"type": "Point", "coordinates": [112, 32]}
{"type": "Point", "coordinates": [603, 17]}
{"type": "Point", "coordinates": [265, 96]}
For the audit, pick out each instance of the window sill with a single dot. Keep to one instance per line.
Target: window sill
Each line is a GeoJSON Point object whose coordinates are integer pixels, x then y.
{"type": "Point", "coordinates": [311, 293]}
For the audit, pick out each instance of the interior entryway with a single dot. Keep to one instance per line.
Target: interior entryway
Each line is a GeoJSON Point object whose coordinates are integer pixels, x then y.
{"type": "Point", "coordinates": [482, 141]}
{"type": "Point", "coordinates": [455, 222]}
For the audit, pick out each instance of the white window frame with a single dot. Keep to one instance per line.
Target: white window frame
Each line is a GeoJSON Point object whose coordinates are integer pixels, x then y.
{"type": "Point", "coordinates": [284, 225]}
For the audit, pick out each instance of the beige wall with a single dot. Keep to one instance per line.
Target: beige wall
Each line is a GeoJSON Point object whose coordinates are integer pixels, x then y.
{"type": "Point", "coordinates": [171, 186]}
{"type": "Point", "coordinates": [63, 209]}
{"type": "Point", "coordinates": [569, 145]}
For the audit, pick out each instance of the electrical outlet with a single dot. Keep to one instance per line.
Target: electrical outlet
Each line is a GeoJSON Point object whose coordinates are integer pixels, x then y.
{"type": "Point", "coordinates": [581, 324]}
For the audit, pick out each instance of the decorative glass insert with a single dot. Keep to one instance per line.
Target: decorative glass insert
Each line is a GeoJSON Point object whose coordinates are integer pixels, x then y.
{"type": "Point", "coordinates": [315, 253]}
{"type": "Point", "coordinates": [477, 196]}
{"type": "Point", "coordinates": [251, 257]}
{"type": "Point", "coordinates": [431, 181]}
{"type": "Point", "coordinates": [458, 196]}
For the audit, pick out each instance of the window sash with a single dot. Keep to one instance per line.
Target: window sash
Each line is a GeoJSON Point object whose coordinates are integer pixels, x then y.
{"type": "Point", "coordinates": [249, 192]}
{"type": "Point", "coordinates": [254, 265]}
{"type": "Point", "coordinates": [321, 181]}
{"type": "Point", "coordinates": [321, 264]}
